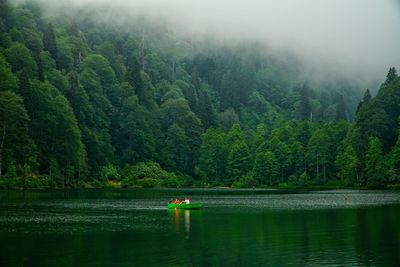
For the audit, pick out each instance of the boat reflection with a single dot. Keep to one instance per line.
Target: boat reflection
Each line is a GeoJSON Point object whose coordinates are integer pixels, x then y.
{"type": "Point", "coordinates": [185, 216]}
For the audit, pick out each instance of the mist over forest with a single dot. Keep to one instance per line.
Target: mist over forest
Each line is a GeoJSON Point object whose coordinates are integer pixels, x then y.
{"type": "Point", "coordinates": [199, 93]}
{"type": "Point", "coordinates": [355, 39]}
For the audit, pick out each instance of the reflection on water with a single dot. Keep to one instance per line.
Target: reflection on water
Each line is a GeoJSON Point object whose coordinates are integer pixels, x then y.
{"type": "Point", "coordinates": [235, 228]}
{"type": "Point", "coordinates": [187, 221]}
{"type": "Point", "coordinates": [183, 217]}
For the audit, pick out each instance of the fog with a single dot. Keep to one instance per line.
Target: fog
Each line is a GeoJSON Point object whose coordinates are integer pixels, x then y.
{"type": "Point", "coordinates": [356, 37]}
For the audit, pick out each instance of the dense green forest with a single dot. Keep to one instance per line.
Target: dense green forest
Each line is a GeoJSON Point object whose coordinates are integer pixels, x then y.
{"type": "Point", "coordinates": [86, 104]}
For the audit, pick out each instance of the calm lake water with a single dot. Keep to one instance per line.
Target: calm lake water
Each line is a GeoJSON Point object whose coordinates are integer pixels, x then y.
{"type": "Point", "coordinates": [235, 228]}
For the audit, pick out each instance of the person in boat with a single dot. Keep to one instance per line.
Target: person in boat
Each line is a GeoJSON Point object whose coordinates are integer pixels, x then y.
{"type": "Point", "coordinates": [171, 201]}
{"type": "Point", "coordinates": [187, 200]}
{"type": "Point", "coordinates": [177, 201]}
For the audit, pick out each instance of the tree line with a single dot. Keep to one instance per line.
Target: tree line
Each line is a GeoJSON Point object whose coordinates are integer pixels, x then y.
{"type": "Point", "coordinates": [85, 104]}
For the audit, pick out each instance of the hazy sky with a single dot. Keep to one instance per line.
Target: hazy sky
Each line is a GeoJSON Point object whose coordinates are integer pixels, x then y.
{"type": "Point", "coordinates": [362, 35]}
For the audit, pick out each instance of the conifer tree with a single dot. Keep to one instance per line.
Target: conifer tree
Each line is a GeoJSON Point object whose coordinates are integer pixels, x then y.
{"type": "Point", "coordinates": [367, 97]}
{"type": "Point", "coordinates": [49, 41]}
{"type": "Point", "coordinates": [392, 74]}
{"type": "Point", "coordinates": [134, 77]}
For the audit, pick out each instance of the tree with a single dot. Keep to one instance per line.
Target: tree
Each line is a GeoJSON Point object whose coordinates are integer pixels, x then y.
{"type": "Point", "coordinates": [19, 57]}
{"type": "Point", "coordinates": [78, 98]}
{"type": "Point", "coordinates": [373, 120]}
{"type": "Point", "coordinates": [102, 72]}
{"type": "Point", "coordinates": [193, 129]}
{"type": "Point", "coordinates": [391, 76]}
{"type": "Point", "coordinates": [190, 93]}
{"type": "Point", "coordinates": [341, 109]}
{"type": "Point", "coordinates": [280, 151]}
{"type": "Point", "coordinates": [205, 109]}
{"type": "Point", "coordinates": [15, 143]}
{"type": "Point", "coordinates": [239, 161]}
{"type": "Point", "coordinates": [234, 135]}
{"type": "Point", "coordinates": [213, 154]}
{"type": "Point", "coordinates": [318, 152]}
{"type": "Point", "coordinates": [6, 13]}
{"type": "Point", "coordinates": [176, 149]}
{"type": "Point", "coordinates": [260, 135]}
{"type": "Point", "coordinates": [394, 157]}
{"type": "Point", "coordinates": [228, 118]}
{"type": "Point", "coordinates": [56, 132]}
{"type": "Point", "coordinates": [374, 171]}
{"type": "Point", "coordinates": [394, 162]}
{"type": "Point", "coordinates": [266, 168]}
{"type": "Point", "coordinates": [228, 92]}
{"type": "Point", "coordinates": [346, 163]}
{"type": "Point", "coordinates": [8, 80]}
{"type": "Point", "coordinates": [303, 110]}
{"type": "Point", "coordinates": [97, 115]}
{"type": "Point", "coordinates": [147, 94]}
{"type": "Point", "coordinates": [133, 75]}
{"type": "Point", "coordinates": [49, 41]}
{"type": "Point", "coordinates": [367, 97]}
{"type": "Point", "coordinates": [133, 135]}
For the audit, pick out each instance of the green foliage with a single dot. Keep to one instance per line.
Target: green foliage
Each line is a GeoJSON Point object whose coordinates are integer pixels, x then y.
{"type": "Point", "coordinates": [303, 108]}
{"type": "Point", "coordinates": [346, 163]}
{"type": "Point", "coordinates": [49, 41]}
{"type": "Point", "coordinates": [26, 182]}
{"type": "Point", "coordinates": [134, 137]}
{"type": "Point", "coordinates": [246, 181]}
{"type": "Point", "coordinates": [266, 168]}
{"type": "Point", "coordinates": [109, 172]}
{"type": "Point", "coordinates": [213, 155]}
{"type": "Point", "coordinates": [304, 179]}
{"type": "Point", "coordinates": [8, 80]}
{"type": "Point", "coordinates": [55, 130]}
{"type": "Point", "coordinates": [394, 163]}
{"type": "Point", "coordinates": [374, 171]}
{"type": "Point", "coordinates": [147, 174]}
{"type": "Point", "coordinates": [228, 118]}
{"type": "Point", "coordinates": [133, 75]}
{"type": "Point", "coordinates": [15, 143]}
{"type": "Point", "coordinates": [19, 57]}
{"type": "Point", "coordinates": [238, 162]}
{"type": "Point", "coordinates": [80, 100]}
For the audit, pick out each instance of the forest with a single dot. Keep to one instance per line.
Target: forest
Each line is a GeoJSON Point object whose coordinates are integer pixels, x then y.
{"type": "Point", "coordinates": [85, 103]}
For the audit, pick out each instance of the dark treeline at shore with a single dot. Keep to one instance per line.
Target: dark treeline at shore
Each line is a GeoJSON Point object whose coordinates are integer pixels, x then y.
{"type": "Point", "coordinates": [84, 104]}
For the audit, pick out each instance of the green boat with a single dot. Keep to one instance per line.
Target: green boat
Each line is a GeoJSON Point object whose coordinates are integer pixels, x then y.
{"type": "Point", "coordinates": [191, 206]}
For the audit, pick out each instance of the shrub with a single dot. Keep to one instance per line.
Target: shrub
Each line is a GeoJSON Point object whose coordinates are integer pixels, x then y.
{"type": "Point", "coordinates": [246, 181]}
{"type": "Point", "coordinates": [36, 182]}
{"type": "Point", "coordinates": [304, 179]}
{"type": "Point", "coordinates": [109, 172]}
{"type": "Point", "coordinates": [149, 182]}
{"type": "Point", "coordinates": [147, 174]}
{"type": "Point", "coordinates": [173, 181]}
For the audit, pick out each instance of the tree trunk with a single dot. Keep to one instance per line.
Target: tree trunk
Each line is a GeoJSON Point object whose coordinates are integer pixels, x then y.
{"type": "Point", "coordinates": [317, 165]}
{"type": "Point", "coordinates": [1, 148]}
{"type": "Point", "coordinates": [357, 175]}
{"type": "Point", "coordinates": [324, 174]}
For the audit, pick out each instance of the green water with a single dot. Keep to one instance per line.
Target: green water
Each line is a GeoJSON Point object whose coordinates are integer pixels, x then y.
{"type": "Point", "coordinates": [235, 228]}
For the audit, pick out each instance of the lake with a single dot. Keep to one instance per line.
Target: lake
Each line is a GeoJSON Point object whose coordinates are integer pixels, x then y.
{"type": "Point", "coordinates": [235, 228]}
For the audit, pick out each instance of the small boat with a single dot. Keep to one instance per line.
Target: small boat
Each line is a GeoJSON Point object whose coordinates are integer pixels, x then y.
{"type": "Point", "coordinates": [184, 206]}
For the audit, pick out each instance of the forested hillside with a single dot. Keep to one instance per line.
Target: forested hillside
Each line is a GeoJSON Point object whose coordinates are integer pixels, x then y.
{"type": "Point", "coordinates": [85, 103]}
